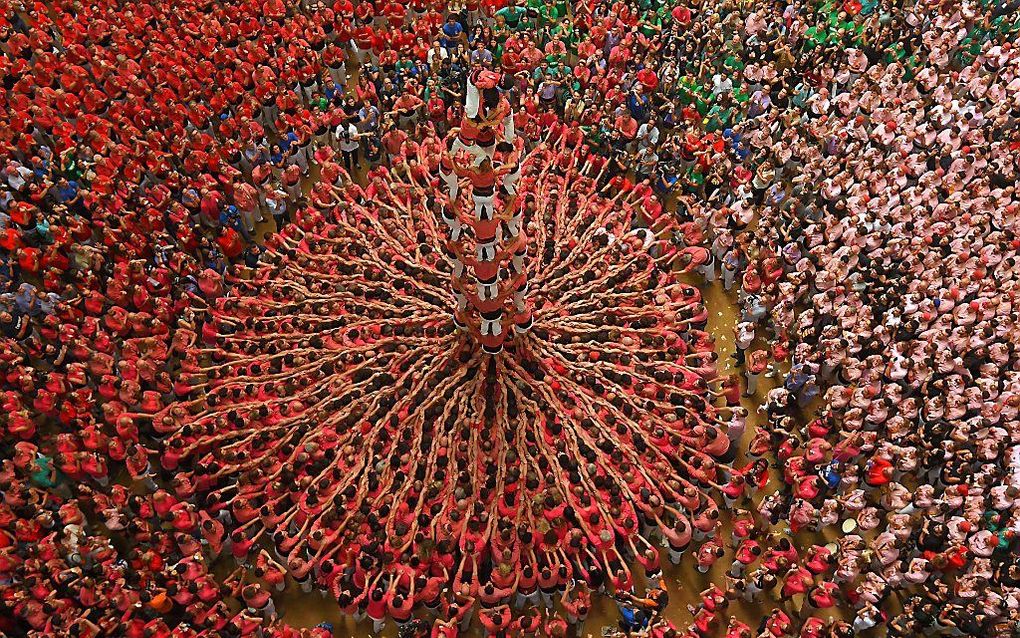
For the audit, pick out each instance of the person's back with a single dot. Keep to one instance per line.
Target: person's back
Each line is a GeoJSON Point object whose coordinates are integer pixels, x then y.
{"type": "Point", "coordinates": [400, 607]}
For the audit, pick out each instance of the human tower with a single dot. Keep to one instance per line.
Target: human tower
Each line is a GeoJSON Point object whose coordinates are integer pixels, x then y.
{"type": "Point", "coordinates": [489, 277]}
{"type": "Point", "coordinates": [351, 419]}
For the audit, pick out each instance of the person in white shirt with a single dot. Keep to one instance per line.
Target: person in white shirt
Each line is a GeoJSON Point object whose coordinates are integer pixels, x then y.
{"type": "Point", "coordinates": [648, 134]}
{"type": "Point", "coordinates": [437, 54]}
{"type": "Point", "coordinates": [744, 337]}
{"type": "Point", "coordinates": [349, 139]}
{"type": "Point", "coordinates": [721, 85]}
{"type": "Point", "coordinates": [17, 175]}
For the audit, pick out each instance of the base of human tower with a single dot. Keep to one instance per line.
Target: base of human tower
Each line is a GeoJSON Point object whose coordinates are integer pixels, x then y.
{"type": "Point", "coordinates": [338, 363]}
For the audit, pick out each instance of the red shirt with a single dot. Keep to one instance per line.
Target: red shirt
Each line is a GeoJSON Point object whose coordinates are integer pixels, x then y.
{"type": "Point", "coordinates": [876, 472]}
{"type": "Point", "coordinates": [29, 259]}
{"type": "Point", "coordinates": [364, 36]}
{"type": "Point", "coordinates": [648, 78]}
{"type": "Point", "coordinates": [681, 15]}
{"type": "Point", "coordinates": [395, 13]}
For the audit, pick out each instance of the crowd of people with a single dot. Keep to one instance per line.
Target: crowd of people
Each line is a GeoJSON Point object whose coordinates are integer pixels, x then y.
{"type": "Point", "coordinates": [193, 407]}
{"type": "Point", "coordinates": [872, 241]}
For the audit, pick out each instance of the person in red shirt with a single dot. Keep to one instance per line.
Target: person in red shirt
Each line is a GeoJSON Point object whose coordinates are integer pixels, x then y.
{"type": "Point", "coordinates": [365, 39]}
{"type": "Point", "coordinates": [681, 14]}
{"type": "Point", "coordinates": [880, 471]}
{"type": "Point", "coordinates": [757, 363]}
{"type": "Point", "coordinates": [626, 127]}
{"type": "Point", "coordinates": [496, 621]}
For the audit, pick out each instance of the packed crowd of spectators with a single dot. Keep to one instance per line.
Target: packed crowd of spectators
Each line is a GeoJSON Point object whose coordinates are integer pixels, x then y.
{"type": "Point", "coordinates": [871, 237]}
{"type": "Point", "coordinates": [848, 169]}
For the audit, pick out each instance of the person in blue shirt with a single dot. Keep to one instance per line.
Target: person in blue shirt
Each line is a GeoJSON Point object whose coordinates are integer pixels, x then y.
{"type": "Point", "coordinates": [632, 620]}
{"type": "Point", "coordinates": [796, 378]}
{"type": "Point", "coordinates": [481, 55]}
{"type": "Point", "coordinates": [7, 271]}
{"type": "Point", "coordinates": [231, 218]}
{"type": "Point", "coordinates": [276, 156]}
{"type": "Point", "coordinates": [40, 166]}
{"type": "Point", "coordinates": [288, 140]}
{"type": "Point", "coordinates": [65, 191]}
{"type": "Point", "coordinates": [254, 155]}
{"type": "Point", "coordinates": [214, 258]}
{"type": "Point", "coordinates": [251, 255]}
{"type": "Point", "coordinates": [665, 182]}
{"type": "Point", "coordinates": [39, 233]}
{"type": "Point", "coordinates": [334, 93]}
{"type": "Point", "coordinates": [453, 33]}
{"type": "Point", "coordinates": [734, 139]}
{"type": "Point", "coordinates": [25, 299]}
{"type": "Point", "coordinates": [638, 103]}
{"type": "Point", "coordinates": [368, 117]}
{"type": "Point", "coordinates": [831, 476]}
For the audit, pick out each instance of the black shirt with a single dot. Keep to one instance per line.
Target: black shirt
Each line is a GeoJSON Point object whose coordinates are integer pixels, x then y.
{"type": "Point", "coordinates": [11, 328]}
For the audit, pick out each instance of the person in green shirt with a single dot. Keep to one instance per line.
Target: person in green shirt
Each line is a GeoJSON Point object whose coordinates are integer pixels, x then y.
{"type": "Point", "coordinates": [719, 115]}
{"type": "Point", "coordinates": [430, 89]}
{"type": "Point", "coordinates": [512, 14]}
{"type": "Point", "coordinates": [69, 167]}
{"type": "Point", "coordinates": [663, 10]}
{"type": "Point", "coordinates": [734, 64]}
{"type": "Point", "coordinates": [650, 24]}
{"type": "Point", "coordinates": [529, 22]}
{"type": "Point", "coordinates": [814, 36]}
{"type": "Point", "coordinates": [542, 72]}
{"type": "Point", "coordinates": [548, 13]}
{"type": "Point", "coordinates": [689, 91]}
{"type": "Point", "coordinates": [802, 93]}
{"type": "Point", "coordinates": [895, 52]}
{"type": "Point", "coordinates": [43, 472]}
{"type": "Point", "coordinates": [562, 8]}
{"type": "Point", "coordinates": [500, 33]}
{"type": "Point", "coordinates": [404, 65]}
{"type": "Point", "coordinates": [566, 32]}
{"type": "Point", "coordinates": [695, 179]}
{"type": "Point", "coordinates": [971, 44]}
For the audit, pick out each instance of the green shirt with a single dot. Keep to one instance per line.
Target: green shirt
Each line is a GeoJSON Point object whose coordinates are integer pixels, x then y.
{"type": "Point", "coordinates": [734, 63]}
{"type": "Point", "coordinates": [895, 53]}
{"type": "Point", "coordinates": [649, 23]}
{"type": "Point", "coordinates": [549, 14]}
{"type": "Point", "coordinates": [512, 15]}
{"type": "Point", "coordinates": [695, 177]}
{"type": "Point", "coordinates": [567, 34]}
{"type": "Point", "coordinates": [690, 92]}
{"type": "Point", "coordinates": [70, 169]}
{"type": "Point", "coordinates": [813, 37]}
{"type": "Point", "coordinates": [41, 476]}
{"type": "Point", "coordinates": [718, 118]}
